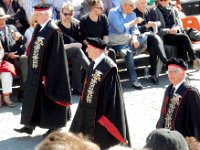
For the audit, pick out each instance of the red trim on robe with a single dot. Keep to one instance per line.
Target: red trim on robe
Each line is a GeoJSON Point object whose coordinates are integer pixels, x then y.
{"type": "Point", "coordinates": [8, 67]}
{"type": "Point", "coordinates": [41, 9]}
{"type": "Point", "coordinates": [164, 109]}
{"type": "Point", "coordinates": [110, 127]}
{"type": "Point", "coordinates": [56, 101]}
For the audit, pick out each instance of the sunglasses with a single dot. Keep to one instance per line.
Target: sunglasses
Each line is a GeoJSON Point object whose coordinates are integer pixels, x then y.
{"type": "Point", "coordinates": [67, 14]}
{"type": "Point", "coordinates": [101, 8]}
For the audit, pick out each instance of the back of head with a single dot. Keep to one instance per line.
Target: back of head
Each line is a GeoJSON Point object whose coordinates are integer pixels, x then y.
{"type": "Point", "coordinates": [193, 144]}
{"type": "Point", "coordinates": [66, 141]}
{"type": "Point", "coordinates": [164, 139]}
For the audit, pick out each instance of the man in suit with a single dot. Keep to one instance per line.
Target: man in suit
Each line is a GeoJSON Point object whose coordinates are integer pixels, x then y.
{"type": "Point", "coordinates": [181, 105]}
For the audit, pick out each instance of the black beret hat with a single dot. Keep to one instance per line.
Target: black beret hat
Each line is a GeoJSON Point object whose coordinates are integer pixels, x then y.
{"type": "Point", "coordinates": [177, 62]}
{"type": "Point", "coordinates": [97, 42]}
{"type": "Point", "coordinates": [164, 139]}
{"type": "Point", "coordinates": [42, 6]}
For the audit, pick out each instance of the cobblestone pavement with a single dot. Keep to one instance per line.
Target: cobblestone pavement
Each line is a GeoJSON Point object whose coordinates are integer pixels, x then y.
{"type": "Point", "coordinates": [142, 107]}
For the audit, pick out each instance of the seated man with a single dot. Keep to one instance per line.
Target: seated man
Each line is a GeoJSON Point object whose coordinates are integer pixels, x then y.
{"type": "Point", "coordinates": [13, 44]}
{"type": "Point", "coordinates": [70, 30]}
{"type": "Point", "coordinates": [123, 27]}
{"type": "Point", "coordinates": [155, 44]}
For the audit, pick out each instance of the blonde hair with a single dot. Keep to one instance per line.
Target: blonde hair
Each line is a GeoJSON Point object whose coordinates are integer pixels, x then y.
{"type": "Point", "coordinates": [68, 7]}
{"type": "Point", "coordinates": [32, 20]}
{"type": "Point", "coordinates": [66, 141]}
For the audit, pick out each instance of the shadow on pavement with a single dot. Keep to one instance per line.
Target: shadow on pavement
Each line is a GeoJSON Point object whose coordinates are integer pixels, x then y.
{"type": "Point", "coordinates": [21, 143]}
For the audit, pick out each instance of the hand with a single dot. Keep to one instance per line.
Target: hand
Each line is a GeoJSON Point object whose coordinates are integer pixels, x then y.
{"type": "Point", "coordinates": [173, 31]}
{"type": "Point", "coordinates": [16, 36]}
{"type": "Point", "coordinates": [139, 20]}
{"type": "Point", "coordinates": [150, 24]}
{"type": "Point", "coordinates": [158, 23]}
{"type": "Point", "coordinates": [135, 44]}
{"type": "Point", "coordinates": [12, 55]}
{"type": "Point", "coordinates": [78, 45]}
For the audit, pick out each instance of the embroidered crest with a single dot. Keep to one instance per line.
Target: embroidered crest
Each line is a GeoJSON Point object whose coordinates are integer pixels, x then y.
{"type": "Point", "coordinates": [95, 78]}
{"type": "Point", "coordinates": [174, 102]}
{"type": "Point", "coordinates": [38, 43]}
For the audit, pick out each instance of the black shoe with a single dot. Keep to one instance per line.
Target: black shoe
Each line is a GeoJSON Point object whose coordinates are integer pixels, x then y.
{"type": "Point", "coordinates": [49, 131]}
{"type": "Point", "coordinates": [154, 80]}
{"type": "Point", "coordinates": [136, 84]}
{"type": "Point", "coordinates": [76, 92]}
{"type": "Point", "coordinates": [24, 130]}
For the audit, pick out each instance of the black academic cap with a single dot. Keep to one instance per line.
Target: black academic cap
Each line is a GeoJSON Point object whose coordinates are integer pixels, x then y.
{"type": "Point", "coordinates": [164, 139]}
{"type": "Point", "coordinates": [97, 42]}
{"type": "Point", "coordinates": [177, 62]}
{"type": "Point", "coordinates": [42, 6]}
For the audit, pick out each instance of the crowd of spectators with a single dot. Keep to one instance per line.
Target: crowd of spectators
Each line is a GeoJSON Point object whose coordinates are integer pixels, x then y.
{"type": "Point", "coordinates": [127, 25]}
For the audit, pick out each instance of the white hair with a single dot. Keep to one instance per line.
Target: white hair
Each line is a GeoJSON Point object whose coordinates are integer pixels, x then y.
{"type": "Point", "coordinates": [128, 1]}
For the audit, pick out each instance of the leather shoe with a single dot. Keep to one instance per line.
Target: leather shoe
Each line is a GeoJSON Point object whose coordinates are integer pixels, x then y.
{"type": "Point", "coordinates": [136, 84]}
{"type": "Point", "coordinates": [154, 80]}
{"type": "Point", "coordinates": [49, 131]}
{"type": "Point", "coordinates": [24, 130]}
{"type": "Point", "coordinates": [76, 92]}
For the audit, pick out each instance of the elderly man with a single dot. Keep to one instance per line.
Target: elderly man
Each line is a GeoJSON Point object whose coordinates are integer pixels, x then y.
{"type": "Point", "coordinates": [13, 44]}
{"type": "Point", "coordinates": [181, 105]}
{"type": "Point", "coordinates": [101, 113]}
{"type": "Point", "coordinates": [155, 44]}
{"type": "Point", "coordinates": [47, 91]}
{"type": "Point", "coordinates": [124, 35]}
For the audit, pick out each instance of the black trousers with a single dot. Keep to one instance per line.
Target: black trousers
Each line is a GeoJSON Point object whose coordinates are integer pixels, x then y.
{"type": "Point", "coordinates": [156, 49]}
{"type": "Point", "coordinates": [183, 44]}
{"type": "Point", "coordinates": [78, 59]}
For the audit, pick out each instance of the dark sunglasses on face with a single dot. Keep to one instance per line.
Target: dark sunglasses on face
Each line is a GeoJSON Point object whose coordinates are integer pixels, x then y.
{"type": "Point", "coordinates": [67, 14]}
{"type": "Point", "coordinates": [99, 8]}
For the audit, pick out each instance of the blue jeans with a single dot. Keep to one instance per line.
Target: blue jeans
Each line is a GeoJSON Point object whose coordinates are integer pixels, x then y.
{"type": "Point", "coordinates": [128, 60]}
{"type": "Point", "coordinates": [129, 57]}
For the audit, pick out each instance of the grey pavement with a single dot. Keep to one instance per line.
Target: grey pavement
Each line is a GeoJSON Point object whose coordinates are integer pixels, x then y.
{"type": "Point", "coordinates": [142, 107]}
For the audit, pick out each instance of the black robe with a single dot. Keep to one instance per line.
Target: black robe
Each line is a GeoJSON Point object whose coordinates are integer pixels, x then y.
{"type": "Point", "coordinates": [101, 112]}
{"type": "Point", "coordinates": [185, 117]}
{"type": "Point", "coordinates": [47, 90]}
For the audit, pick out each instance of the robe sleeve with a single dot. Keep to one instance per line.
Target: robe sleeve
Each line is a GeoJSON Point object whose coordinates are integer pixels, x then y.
{"type": "Point", "coordinates": [56, 70]}
{"type": "Point", "coordinates": [112, 118]}
{"type": "Point", "coordinates": [193, 113]}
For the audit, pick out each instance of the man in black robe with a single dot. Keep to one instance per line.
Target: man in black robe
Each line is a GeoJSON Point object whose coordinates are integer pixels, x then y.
{"type": "Point", "coordinates": [101, 112]}
{"type": "Point", "coordinates": [47, 91]}
{"type": "Point", "coordinates": [181, 105]}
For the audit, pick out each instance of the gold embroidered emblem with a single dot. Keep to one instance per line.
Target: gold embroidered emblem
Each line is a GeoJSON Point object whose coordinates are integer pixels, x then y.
{"type": "Point", "coordinates": [95, 78]}
{"type": "Point", "coordinates": [174, 101]}
{"type": "Point", "coordinates": [35, 57]}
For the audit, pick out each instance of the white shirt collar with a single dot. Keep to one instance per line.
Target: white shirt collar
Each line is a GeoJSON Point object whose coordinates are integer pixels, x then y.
{"type": "Point", "coordinates": [44, 24]}
{"type": "Point", "coordinates": [98, 60]}
{"type": "Point", "coordinates": [178, 85]}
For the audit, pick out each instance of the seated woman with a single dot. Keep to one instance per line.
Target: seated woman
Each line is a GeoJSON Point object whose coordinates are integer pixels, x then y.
{"type": "Point", "coordinates": [7, 71]}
